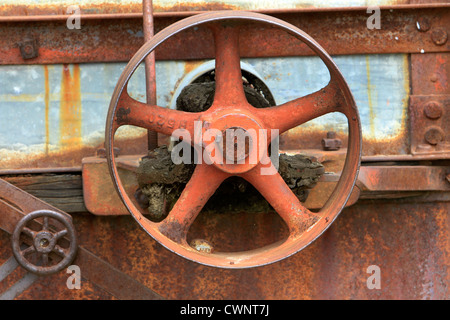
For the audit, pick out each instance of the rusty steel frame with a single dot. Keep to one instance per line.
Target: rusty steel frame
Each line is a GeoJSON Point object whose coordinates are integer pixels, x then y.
{"type": "Point", "coordinates": [338, 30]}
{"type": "Point", "coordinates": [230, 108]}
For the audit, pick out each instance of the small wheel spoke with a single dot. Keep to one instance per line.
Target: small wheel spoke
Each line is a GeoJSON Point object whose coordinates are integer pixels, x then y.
{"type": "Point", "coordinates": [45, 224]}
{"type": "Point", "coordinates": [29, 232]}
{"type": "Point", "coordinates": [28, 251]}
{"type": "Point", "coordinates": [202, 185]}
{"type": "Point", "coordinates": [60, 234]}
{"type": "Point", "coordinates": [60, 251]}
{"type": "Point", "coordinates": [303, 109]}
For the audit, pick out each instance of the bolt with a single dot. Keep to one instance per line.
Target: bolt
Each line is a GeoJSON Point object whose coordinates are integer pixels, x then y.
{"type": "Point", "coordinates": [434, 135]}
{"type": "Point", "coordinates": [331, 142]}
{"type": "Point", "coordinates": [434, 77]}
{"type": "Point", "coordinates": [433, 110]}
{"type": "Point", "coordinates": [29, 48]}
{"type": "Point", "coordinates": [237, 134]}
{"type": "Point", "coordinates": [423, 24]}
{"type": "Point", "coordinates": [439, 36]}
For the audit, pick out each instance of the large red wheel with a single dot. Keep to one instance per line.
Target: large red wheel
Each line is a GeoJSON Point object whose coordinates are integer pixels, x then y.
{"type": "Point", "coordinates": [231, 110]}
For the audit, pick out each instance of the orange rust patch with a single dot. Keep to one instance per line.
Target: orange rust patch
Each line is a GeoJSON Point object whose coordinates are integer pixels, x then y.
{"type": "Point", "coordinates": [191, 65]}
{"type": "Point", "coordinates": [70, 108]}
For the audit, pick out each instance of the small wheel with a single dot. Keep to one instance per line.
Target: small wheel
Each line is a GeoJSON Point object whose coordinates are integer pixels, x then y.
{"type": "Point", "coordinates": [53, 244]}
{"type": "Point", "coordinates": [230, 109]}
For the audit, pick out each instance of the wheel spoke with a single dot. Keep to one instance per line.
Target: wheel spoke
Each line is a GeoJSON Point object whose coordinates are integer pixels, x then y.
{"type": "Point", "coordinates": [60, 251]}
{"type": "Point", "coordinates": [228, 76]}
{"type": "Point", "coordinates": [303, 109]}
{"type": "Point", "coordinates": [60, 234]}
{"type": "Point", "coordinates": [27, 251]}
{"type": "Point", "coordinates": [274, 189]}
{"type": "Point", "coordinates": [202, 185]}
{"type": "Point", "coordinates": [29, 232]}
{"type": "Point", "coordinates": [45, 224]}
{"type": "Point", "coordinates": [132, 112]}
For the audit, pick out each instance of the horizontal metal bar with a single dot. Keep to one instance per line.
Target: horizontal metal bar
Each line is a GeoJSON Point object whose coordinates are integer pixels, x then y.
{"type": "Point", "coordinates": [4, 172]}
{"type": "Point", "coordinates": [403, 178]}
{"type": "Point", "coordinates": [339, 32]}
{"type": "Point", "coordinates": [179, 14]}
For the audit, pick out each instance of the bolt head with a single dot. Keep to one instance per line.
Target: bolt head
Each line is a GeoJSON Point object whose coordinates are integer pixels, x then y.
{"type": "Point", "coordinates": [29, 49]}
{"type": "Point", "coordinates": [434, 135]}
{"type": "Point", "coordinates": [439, 36]}
{"type": "Point", "coordinates": [423, 24]}
{"type": "Point", "coordinates": [433, 110]}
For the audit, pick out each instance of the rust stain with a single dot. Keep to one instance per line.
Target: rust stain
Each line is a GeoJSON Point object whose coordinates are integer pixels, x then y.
{"type": "Point", "coordinates": [47, 106]}
{"type": "Point", "coordinates": [407, 87]}
{"type": "Point", "coordinates": [441, 62]}
{"type": "Point", "coordinates": [369, 98]}
{"type": "Point", "coordinates": [70, 108]}
{"type": "Point", "coordinates": [191, 65]}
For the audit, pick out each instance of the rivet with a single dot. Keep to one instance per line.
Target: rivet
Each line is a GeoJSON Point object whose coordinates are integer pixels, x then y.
{"type": "Point", "coordinates": [434, 135]}
{"type": "Point", "coordinates": [439, 36]}
{"type": "Point", "coordinates": [433, 110]}
{"type": "Point", "coordinates": [423, 24]}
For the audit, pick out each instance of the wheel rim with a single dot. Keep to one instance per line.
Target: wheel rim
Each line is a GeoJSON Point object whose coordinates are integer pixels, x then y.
{"type": "Point", "coordinates": [293, 243]}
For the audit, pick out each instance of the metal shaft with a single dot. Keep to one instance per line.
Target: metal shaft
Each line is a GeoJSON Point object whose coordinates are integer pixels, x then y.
{"type": "Point", "coordinates": [150, 71]}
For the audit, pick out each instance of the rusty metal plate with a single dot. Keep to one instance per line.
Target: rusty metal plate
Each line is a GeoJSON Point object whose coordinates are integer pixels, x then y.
{"type": "Point", "coordinates": [430, 73]}
{"type": "Point", "coordinates": [338, 31]}
{"type": "Point", "coordinates": [430, 124]}
{"type": "Point", "coordinates": [100, 196]}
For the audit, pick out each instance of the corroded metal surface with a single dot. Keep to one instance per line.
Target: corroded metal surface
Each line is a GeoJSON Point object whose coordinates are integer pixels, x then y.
{"type": "Point", "coordinates": [343, 32]}
{"type": "Point", "coordinates": [409, 241]}
{"type": "Point", "coordinates": [430, 124]}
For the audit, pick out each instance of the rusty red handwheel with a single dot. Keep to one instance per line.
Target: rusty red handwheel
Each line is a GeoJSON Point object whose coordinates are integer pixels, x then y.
{"type": "Point", "coordinates": [231, 109]}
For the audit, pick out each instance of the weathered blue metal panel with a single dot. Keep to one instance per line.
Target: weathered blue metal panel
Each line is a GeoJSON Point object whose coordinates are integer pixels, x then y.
{"type": "Point", "coordinates": [51, 108]}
